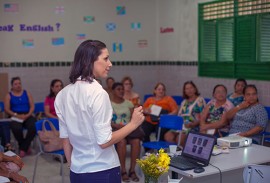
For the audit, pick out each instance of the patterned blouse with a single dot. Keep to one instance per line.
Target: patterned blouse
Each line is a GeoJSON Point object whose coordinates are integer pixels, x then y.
{"type": "Point", "coordinates": [215, 114]}
{"type": "Point", "coordinates": [248, 118]}
{"type": "Point", "coordinates": [190, 111]}
{"type": "Point", "coordinates": [237, 100]}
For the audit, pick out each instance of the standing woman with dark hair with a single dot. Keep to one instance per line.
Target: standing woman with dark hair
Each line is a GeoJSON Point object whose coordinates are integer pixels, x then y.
{"type": "Point", "coordinates": [85, 112]}
{"type": "Point", "coordinates": [237, 96]}
{"type": "Point", "coordinates": [19, 103]}
{"type": "Point", "coordinates": [55, 87]}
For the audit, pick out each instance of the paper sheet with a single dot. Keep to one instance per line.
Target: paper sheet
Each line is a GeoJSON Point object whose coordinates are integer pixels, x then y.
{"type": "Point", "coordinates": [155, 110]}
{"type": "Point", "coordinates": [16, 119]}
{"type": "Point", "coordinates": [211, 131]}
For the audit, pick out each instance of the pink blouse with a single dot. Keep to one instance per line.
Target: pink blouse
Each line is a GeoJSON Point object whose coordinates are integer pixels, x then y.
{"type": "Point", "coordinates": [49, 101]}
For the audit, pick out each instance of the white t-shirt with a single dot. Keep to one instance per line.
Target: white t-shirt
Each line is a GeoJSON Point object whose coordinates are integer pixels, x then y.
{"type": "Point", "coordinates": [84, 111]}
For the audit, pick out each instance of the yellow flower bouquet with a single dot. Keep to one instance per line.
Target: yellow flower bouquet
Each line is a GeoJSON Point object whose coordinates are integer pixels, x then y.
{"type": "Point", "coordinates": [154, 165]}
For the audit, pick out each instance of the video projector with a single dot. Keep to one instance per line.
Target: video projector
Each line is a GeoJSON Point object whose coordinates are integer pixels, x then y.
{"type": "Point", "coordinates": [234, 141]}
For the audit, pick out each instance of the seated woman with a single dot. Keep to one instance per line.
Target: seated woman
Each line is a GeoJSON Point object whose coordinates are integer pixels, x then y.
{"type": "Point", "coordinates": [237, 96]}
{"type": "Point", "coordinates": [108, 88]}
{"type": "Point", "coordinates": [213, 118]}
{"type": "Point", "coordinates": [9, 174]}
{"type": "Point", "coordinates": [129, 93]}
{"type": "Point", "coordinates": [55, 87]}
{"type": "Point", "coordinates": [190, 110]}
{"type": "Point", "coordinates": [250, 117]}
{"type": "Point", "coordinates": [168, 106]}
{"type": "Point", "coordinates": [122, 113]}
{"type": "Point", "coordinates": [19, 103]}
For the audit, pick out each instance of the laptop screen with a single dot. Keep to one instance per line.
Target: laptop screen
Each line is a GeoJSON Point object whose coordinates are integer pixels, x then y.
{"type": "Point", "coordinates": [199, 147]}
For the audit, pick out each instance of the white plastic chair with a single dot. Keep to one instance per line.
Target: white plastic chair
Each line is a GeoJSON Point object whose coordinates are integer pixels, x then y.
{"type": "Point", "coordinates": [256, 173]}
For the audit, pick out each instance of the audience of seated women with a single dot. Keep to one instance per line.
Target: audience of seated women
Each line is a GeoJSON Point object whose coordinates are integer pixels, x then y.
{"type": "Point", "coordinates": [19, 103]}
{"type": "Point", "coordinates": [237, 96]}
{"type": "Point", "coordinates": [7, 173]}
{"type": "Point", "coordinates": [122, 111]}
{"type": "Point", "coordinates": [213, 119]}
{"type": "Point", "coordinates": [250, 117]}
{"type": "Point", "coordinates": [55, 86]}
{"type": "Point", "coordinates": [190, 109]}
{"type": "Point", "coordinates": [129, 93]}
{"type": "Point", "coordinates": [168, 106]}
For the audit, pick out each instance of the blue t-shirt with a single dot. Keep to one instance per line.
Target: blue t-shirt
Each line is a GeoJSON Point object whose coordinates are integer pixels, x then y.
{"type": "Point", "coordinates": [19, 104]}
{"type": "Point", "coordinates": [236, 101]}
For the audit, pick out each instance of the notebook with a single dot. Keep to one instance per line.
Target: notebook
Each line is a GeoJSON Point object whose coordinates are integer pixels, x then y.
{"type": "Point", "coordinates": [196, 153]}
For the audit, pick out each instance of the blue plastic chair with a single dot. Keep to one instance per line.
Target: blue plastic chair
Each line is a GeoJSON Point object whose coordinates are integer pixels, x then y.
{"type": "Point", "coordinates": [39, 107]}
{"type": "Point", "coordinates": [173, 122]}
{"type": "Point", "coordinates": [59, 153]}
{"type": "Point", "coordinates": [178, 99]}
{"type": "Point", "coordinates": [1, 106]}
{"type": "Point", "coordinates": [207, 100]}
{"type": "Point", "coordinates": [2, 109]}
{"type": "Point", "coordinates": [147, 96]}
{"type": "Point", "coordinates": [265, 134]}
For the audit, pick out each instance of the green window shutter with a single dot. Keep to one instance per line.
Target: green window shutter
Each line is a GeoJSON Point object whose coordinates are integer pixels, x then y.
{"type": "Point", "coordinates": [265, 38]}
{"type": "Point", "coordinates": [246, 39]}
{"type": "Point", "coordinates": [225, 40]}
{"type": "Point", "coordinates": [208, 47]}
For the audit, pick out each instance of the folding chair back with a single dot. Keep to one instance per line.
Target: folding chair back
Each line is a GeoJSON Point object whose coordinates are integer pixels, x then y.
{"type": "Point", "coordinates": [266, 134]}
{"type": "Point", "coordinates": [178, 99]}
{"type": "Point", "coordinates": [173, 122]}
{"type": "Point", "coordinates": [2, 109]}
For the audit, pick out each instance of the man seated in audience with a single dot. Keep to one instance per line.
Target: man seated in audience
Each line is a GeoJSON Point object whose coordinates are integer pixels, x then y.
{"type": "Point", "coordinates": [250, 117]}
{"type": "Point", "coordinates": [20, 105]}
{"type": "Point", "coordinates": [213, 118]}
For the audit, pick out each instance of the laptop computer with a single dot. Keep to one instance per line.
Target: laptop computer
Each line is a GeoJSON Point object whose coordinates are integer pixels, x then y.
{"type": "Point", "coordinates": [196, 153]}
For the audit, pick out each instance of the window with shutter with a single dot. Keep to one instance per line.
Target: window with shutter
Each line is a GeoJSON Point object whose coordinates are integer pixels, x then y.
{"type": "Point", "coordinates": [234, 39]}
